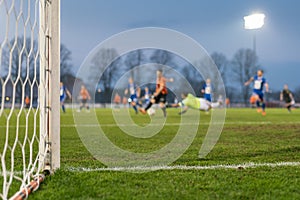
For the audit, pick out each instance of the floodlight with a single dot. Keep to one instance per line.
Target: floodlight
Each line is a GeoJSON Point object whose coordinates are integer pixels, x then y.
{"type": "Point", "coordinates": [254, 21]}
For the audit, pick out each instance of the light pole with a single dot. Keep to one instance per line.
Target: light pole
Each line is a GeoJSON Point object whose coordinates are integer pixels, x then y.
{"type": "Point", "coordinates": [254, 22]}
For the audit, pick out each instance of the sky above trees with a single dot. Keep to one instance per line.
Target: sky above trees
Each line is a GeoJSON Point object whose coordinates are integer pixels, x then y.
{"type": "Point", "coordinates": [216, 25]}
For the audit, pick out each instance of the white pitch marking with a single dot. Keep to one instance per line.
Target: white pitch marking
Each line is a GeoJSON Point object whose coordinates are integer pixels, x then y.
{"type": "Point", "coordinates": [184, 167]}
{"type": "Point", "coordinates": [177, 167]}
{"type": "Point", "coordinates": [180, 124]}
{"type": "Point", "coordinates": [173, 124]}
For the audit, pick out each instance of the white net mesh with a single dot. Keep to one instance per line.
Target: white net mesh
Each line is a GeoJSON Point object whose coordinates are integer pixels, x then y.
{"type": "Point", "coordinates": [20, 88]}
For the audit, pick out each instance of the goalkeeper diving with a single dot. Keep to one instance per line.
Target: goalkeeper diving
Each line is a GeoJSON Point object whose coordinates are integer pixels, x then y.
{"type": "Point", "coordinates": [190, 101]}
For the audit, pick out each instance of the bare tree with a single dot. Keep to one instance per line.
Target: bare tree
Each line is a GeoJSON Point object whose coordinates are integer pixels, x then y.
{"type": "Point", "coordinates": [104, 62]}
{"type": "Point", "coordinates": [132, 61]}
{"type": "Point", "coordinates": [162, 57]}
{"type": "Point", "coordinates": [22, 53]}
{"type": "Point", "coordinates": [19, 57]}
{"type": "Point", "coordinates": [65, 61]}
{"type": "Point", "coordinates": [221, 62]}
{"type": "Point", "coordinates": [244, 66]}
{"type": "Point", "coordinates": [193, 77]}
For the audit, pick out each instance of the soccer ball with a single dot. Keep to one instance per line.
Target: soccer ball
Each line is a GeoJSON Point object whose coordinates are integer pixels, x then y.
{"type": "Point", "coordinates": [151, 111]}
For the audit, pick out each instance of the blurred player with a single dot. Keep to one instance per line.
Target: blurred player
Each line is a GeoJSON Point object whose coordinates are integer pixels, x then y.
{"type": "Point", "coordinates": [84, 97]}
{"type": "Point", "coordinates": [287, 96]}
{"type": "Point", "coordinates": [147, 96]}
{"type": "Point", "coordinates": [190, 101]}
{"type": "Point", "coordinates": [160, 95]}
{"type": "Point", "coordinates": [125, 101]}
{"type": "Point", "coordinates": [206, 90]}
{"type": "Point", "coordinates": [27, 101]}
{"type": "Point", "coordinates": [64, 93]}
{"type": "Point", "coordinates": [117, 100]}
{"type": "Point", "coordinates": [227, 102]}
{"type": "Point", "coordinates": [258, 93]}
{"type": "Point", "coordinates": [134, 92]}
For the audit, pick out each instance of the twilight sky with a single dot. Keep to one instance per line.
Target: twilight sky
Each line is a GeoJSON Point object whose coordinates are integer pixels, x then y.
{"type": "Point", "coordinates": [216, 25]}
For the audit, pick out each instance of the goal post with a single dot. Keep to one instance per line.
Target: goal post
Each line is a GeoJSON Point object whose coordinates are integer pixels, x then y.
{"type": "Point", "coordinates": [49, 83]}
{"type": "Point", "coordinates": [55, 86]}
{"type": "Point", "coordinates": [29, 94]}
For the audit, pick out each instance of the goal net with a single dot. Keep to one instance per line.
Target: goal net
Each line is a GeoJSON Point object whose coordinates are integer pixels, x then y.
{"type": "Point", "coordinates": [29, 94]}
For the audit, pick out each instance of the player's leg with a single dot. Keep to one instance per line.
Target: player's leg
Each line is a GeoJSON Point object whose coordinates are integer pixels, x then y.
{"type": "Point", "coordinates": [81, 104]}
{"type": "Point", "coordinates": [162, 104]}
{"type": "Point", "coordinates": [133, 103]}
{"type": "Point", "coordinates": [63, 106]}
{"type": "Point", "coordinates": [263, 104]}
{"type": "Point", "coordinates": [204, 105]}
{"type": "Point", "coordinates": [153, 100]}
{"type": "Point", "coordinates": [161, 100]}
{"type": "Point", "coordinates": [163, 108]}
{"type": "Point", "coordinates": [207, 98]}
{"type": "Point", "coordinates": [62, 100]}
{"type": "Point", "coordinates": [215, 104]}
{"type": "Point", "coordinates": [258, 101]}
{"type": "Point", "coordinates": [288, 106]}
{"type": "Point", "coordinates": [87, 105]}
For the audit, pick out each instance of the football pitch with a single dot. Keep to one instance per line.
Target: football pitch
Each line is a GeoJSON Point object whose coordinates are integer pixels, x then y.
{"type": "Point", "coordinates": [256, 157]}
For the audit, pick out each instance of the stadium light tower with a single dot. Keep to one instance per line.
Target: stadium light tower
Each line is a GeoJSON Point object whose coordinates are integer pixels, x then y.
{"type": "Point", "coordinates": [254, 22]}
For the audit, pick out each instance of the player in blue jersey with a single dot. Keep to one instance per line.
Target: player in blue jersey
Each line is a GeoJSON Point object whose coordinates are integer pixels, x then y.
{"type": "Point", "coordinates": [207, 89]}
{"type": "Point", "coordinates": [64, 93]}
{"type": "Point", "coordinates": [134, 92]}
{"type": "Point", "coordinates": [258, 90]}
{"type": "Point", "coordinates": [147, 96]}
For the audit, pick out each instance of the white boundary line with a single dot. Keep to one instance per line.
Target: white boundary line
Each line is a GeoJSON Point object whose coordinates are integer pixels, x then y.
{"type": "Point", "coordinates": [176, 167]}
{"type": "Point", "coordinates": [175, 124]}
{"type": "Point", "coordinates": [180, 124]}
{"type": "Point", "coordinates": [185, 168]}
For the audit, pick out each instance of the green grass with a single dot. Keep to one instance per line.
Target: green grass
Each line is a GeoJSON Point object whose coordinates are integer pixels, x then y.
{"type": "Point", "coordinates": [246, 137]}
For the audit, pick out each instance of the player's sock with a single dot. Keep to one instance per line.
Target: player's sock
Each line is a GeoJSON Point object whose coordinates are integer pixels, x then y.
{"type": "Point", "coordinates": [63, 108]}
{"type": "Point", "coordinates": [164, 111]}
{"type": "Point", "coordinates": [257, 103]}
{"type": "Point", "coordinates": [148, 106]}
{"type": "Point", "coordinates": [263, 106]}
{"type": "Point", "coordinates": [289, 108]}
{"type": "Point", "coordinates": [135, 109]}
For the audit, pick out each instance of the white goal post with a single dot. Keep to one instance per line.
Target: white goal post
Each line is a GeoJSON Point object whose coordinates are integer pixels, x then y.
{"type": "Point", "coordinates": [50, 79]}
{"type": "Point", "coordinates": [29, 94]}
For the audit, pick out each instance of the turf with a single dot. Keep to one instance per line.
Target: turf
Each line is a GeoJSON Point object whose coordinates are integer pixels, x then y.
{"type": "Point", "coordinates": [247, 137]}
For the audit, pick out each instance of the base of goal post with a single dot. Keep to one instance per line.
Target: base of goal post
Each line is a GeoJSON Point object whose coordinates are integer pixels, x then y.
{"type": "Point", "coordinates": [31, 187]}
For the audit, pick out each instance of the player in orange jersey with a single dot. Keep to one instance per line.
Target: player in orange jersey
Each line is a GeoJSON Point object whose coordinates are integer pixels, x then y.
{"type": "Point", "coordinates": [84, 97]}
{"type": "Point", "coordinates": [160, 95]}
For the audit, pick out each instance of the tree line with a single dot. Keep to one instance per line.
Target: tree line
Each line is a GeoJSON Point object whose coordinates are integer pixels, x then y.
{"type": "Point", "coordinates": [234, 72]}
{"type": "Point", "coordinates": [23, 58]}
{"type": "Point", "coordinates": [19, 68]}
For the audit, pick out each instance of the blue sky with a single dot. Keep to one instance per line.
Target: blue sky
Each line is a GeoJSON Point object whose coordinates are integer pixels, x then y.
{"type": "Point", "coordinates": [217, 25]}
